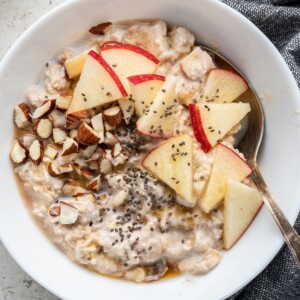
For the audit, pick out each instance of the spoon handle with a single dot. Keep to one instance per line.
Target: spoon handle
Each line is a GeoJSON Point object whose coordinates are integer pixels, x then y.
{"type": "Point", "coordinates": [291, 237]}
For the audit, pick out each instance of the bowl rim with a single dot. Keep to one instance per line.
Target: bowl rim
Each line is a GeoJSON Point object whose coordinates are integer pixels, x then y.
{"type": "Point", "coordinates": [68, 4]}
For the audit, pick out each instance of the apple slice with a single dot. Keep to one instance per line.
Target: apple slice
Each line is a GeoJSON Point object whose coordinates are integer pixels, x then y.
{"type": "Point", "coordinates": [128, 60]}
{"type": "Point", "coordinates": [143, 89]}
{"type": "Point", "coordinates": [98, 84]}
{"type": "Point", "coordinates": [172, 162]}
{"type": "Point", "coordinates": [223, 86]}
{"type": "Point", "coordinates": [241, 205]}
{"type": "Point", "coordinates": [211, 122]}
{"type": "Point", "coordinates": [227, 165]}
{"type": "Point", "coordinates": [158, 119]}
{"type": "Point", "coordinates": [75, 64]}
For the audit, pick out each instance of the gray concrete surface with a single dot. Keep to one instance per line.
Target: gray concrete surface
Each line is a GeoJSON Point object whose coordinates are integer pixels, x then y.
{"type": "Point", "coordinates": [15, 17]}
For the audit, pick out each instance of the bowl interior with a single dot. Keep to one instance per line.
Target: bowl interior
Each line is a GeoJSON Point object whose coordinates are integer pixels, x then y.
{"type": "Point", "coordinates": [214, 25]}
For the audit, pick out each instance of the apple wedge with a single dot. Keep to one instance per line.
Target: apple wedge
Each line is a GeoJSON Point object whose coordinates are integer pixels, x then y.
{"type": "Point", "coordinates": [227, 165]}
{"type": "Point", "coordinates": [172, 162]}
{"type": "Point", "coordinates": [211, 122]}
{"type": "Point", "coordinates": [158, 119]}
{"type": "Point", "coordinates": [98, 84]}
{"type": "Point", "coordinates": [223, 86]}
{"type": "Point", "coordinates": [143, 89]}
{"type": "Point", "coordinates": [75, 64]}
{"type": "Point", "coordinates": [241, 205]}
{"type": "Point", "coordinates": [128, 60]}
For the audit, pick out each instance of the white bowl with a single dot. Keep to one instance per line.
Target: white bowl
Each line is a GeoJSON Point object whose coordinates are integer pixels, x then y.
{"type": "Point", "coordinates": [215, 25]}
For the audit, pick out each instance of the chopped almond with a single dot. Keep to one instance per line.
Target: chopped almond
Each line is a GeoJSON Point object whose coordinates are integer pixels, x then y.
{"type": "Point", "coordinates": [63, 101]}
{"type": "Point", "coordinates": [36, 152]}
{"type": "Point", "coordinates": [43, 128]}
{"type": "Point", "coordinates": [71, 188]}
{"type": "Point", "coordinates": [66, 168]}
{"type": "Point", "coordinates": [116, 150]}
{"type": "Point", "coordinates": [93, 165]}
{"type": "Point", "coordinates": [94, 184]}
{"type": "Point", "coordinates": [19, 153]}
{"type": "Point", "coordinates": [51, 151]}
{"type": "Point", "coordinates": [86, 173]}
{"type": "Point", "coordinates": [89, 151]}
{"type": "Point", "coordinates": [54, 211]}
{"type": "Point", "coordinates": [58, 118]}
{"type": "Point", "coordinates": [108, 127]}
{"type": "Point", "coordinates": [73, 134]}
{"type": "Point", "coordinates": [113, 116]}
{"type": "Point", "coordinates": [86, 135]}
{"type": "Point", "coordinates": [68, 213]}
{"type": "Point", "coordinates": [22, 115]}
{"type": "Point", "coordinates": [59, 135]}
{"type": "Point", "coordinates": [70, 146]}
{"type": "Point", "coordinates": [87, 198]}
{"type": "Point", "coordinates": [97, 123]}
{"type": "Point", "coordinates": [43, 110]}
{"type": "Point", "coordinates": [27, 139]}
{"type": "Point", "coordinates": [53, 169]}
{"type": "Point", "coordinates": [99, 29]}
{"type": "Point", "coordinates": [75, 118]}
{"type": "Point", "coordinates": [110, 139]}
{"type": "Point", "coordinates": [105, 165]}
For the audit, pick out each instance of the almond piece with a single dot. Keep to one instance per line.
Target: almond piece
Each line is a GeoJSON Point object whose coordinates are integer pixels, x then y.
{"type": "Point", "coordinates": [19, 153]}
{"type": "Point", "coordinates": [108, 127]}
{"type": "Point", "coordinates": [51, 151]}
{"type": "Point", "coordinates": [22, 115]}
{"type": "Point", "coordinates": [86, 135]}
{"type": "Point", "coordinates": [116, 150]}
{"type": "Point", "coordinates": [73, 119]}
{"type": "Point", "coordinates": [58, 118]}
{"type": "Point", "coordinates": [94, 184]}
{"type": "Point", "coordinates": [63, 101]}
{"type": "Point", "coordinates": [27, 139]}
{"type": "Point", "coordinates": [54, 211]}
{"type": "Point", "coordinates": [93, 165]}
{"type": "Point", "coordinates": [71, 188]}
{"type": "Point", "coordinates": [73, 134]}
{"type": "Point", "coordinates": [86, 173]}
{"type": "Point", "coordinates": [113, 116]}
{"type": "Point", "coordinates": [53, 169]}
{"type": "Point", "coordinates": [65, 168]}
{"type": "Point", "coordinates": [68, 213]}
{"type": "Point", "coordinates": [43, 128]}
{"type": "Point", "coordinates": [87, 198]}
{"type": "Point", "coordinates": [59, 135]}
{"type": "Point", "coordinates": [70, 146]}
{"type": "Point", "coordinates": [105, 165]}
{"type": "Point", "coordinates": [99, 29]}
{"type": "Point", "coordinates": [43, 110]}
{"type": "Point", "coordinates": [88, 151]}
{"type": "Point", "coordinates": [97, 123]}
{"type": "Point", "coordinates": [36, 152]}
{"type": "Point", "coordinates": [110, 139]}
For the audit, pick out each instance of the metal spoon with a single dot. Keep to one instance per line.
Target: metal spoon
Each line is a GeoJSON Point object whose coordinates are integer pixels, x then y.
{"type": "Point", "coordinates": [249, 146]}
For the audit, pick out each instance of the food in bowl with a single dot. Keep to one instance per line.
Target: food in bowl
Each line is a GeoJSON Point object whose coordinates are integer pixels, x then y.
{"type": "Point", "coordinates": [126, 153]}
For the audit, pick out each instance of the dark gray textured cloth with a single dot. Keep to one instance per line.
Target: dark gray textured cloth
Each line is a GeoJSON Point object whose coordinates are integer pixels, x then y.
{"type": "Point", "coordinates": [279, 20]}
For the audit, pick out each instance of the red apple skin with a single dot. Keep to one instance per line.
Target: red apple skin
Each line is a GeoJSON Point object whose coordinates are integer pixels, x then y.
{"type": "Point", "coordinates": [109, 70]}
{"type": "Point", "coordinates": [115, 45]}
{"type": "Point", "coordinates": [223, 70]}
{"type": "Point", "coordinates": [198, 128]}
{"type": "Point", "coordinates": [137, 79]}
{"type": "Point", "coordinates": [254, 216]}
